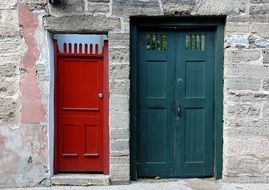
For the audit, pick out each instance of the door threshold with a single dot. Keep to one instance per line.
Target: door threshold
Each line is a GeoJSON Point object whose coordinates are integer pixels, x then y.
{"type": "Point", "coordinates": [79, 179]}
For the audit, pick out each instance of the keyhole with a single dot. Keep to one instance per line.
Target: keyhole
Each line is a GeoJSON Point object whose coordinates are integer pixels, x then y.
{"type": "Point", "coordinates": [179, 81]}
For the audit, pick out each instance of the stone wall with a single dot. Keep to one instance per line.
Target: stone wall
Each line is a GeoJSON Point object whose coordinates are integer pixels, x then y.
{"type": "Point", "coordinates": [25, 78]}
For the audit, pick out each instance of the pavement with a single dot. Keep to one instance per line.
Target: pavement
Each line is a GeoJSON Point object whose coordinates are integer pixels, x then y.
{"type": "Point", "coordinates": [176, 184]}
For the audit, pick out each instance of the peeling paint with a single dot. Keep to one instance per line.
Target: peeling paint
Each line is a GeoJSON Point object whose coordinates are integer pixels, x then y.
{"type": "Point", "coordinates": [31, 96]}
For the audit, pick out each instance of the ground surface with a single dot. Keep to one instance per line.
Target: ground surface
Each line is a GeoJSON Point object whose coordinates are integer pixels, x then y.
{"type": "Point", "coordinates": [189, 184]}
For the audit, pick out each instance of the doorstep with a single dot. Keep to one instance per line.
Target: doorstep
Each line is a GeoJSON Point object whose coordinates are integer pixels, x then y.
{"type": "Point", "coordinates": [79, 179]}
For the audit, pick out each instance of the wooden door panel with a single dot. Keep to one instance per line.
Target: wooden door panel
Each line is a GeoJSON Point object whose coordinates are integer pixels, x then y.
{"type": "Point", "coordinates": [80, 112]}
{"type": "Point", "coordinates": [175, 104]}
{"type": "Point", "coordinates": [194, 129]}
{"type": "Point", "coordinates": [155, 100]}
{"type": "Point", "coordinates": [80, 87]}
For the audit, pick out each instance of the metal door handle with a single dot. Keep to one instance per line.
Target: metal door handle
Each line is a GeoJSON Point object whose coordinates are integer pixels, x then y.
{"type": "Point", "coordinates": [100, 95]}
{"type": "Point", "coordinates": [178, 109]}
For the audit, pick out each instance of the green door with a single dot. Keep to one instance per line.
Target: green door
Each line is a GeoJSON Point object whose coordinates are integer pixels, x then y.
{"type": "Point", "coordinates": [175, 103]}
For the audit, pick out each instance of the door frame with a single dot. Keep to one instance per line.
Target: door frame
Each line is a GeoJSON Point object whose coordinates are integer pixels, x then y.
{"type": "Point", "coordinates": [215, 23]}
{"type": "Point", "coordinates": [105, 108]}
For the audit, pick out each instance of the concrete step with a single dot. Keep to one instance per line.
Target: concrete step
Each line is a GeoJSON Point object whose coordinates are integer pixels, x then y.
{"type": "Point", "coordinates": [79, 179]}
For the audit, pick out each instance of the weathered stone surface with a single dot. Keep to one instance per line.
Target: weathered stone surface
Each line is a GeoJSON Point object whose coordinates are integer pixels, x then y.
{"type": "Point", "coordinates": [119, 71]}
{"type": "Point", "coordinates": [8, 110]}
{"type": "Point", "coordinates": [219, 7]}
{"type": "Point", "coordinates": [119, 120]}
{"type": "Point", "coordinates": [242, 83]}
{"type": "Point", "coordinates": [83, 23]}
{"type": "Point", "coordinates": [241, 56]}
{"type": "Point", "coordinates": [98, 7]}
{"type": "Point", "coordinates": [120, 86]}
{"type": "Point", "coordinates": [241, 96]}
{"type": "Point", "coordinates": [181, 7]}
{"type": "Point", "coordinates": [118, 55]}
{"type": "Point", "coordinates": [259, 1]}
{"type": "Point", "coordinates": [67, 6]}
{"type": "Point", "coordinates": [238, 41]}
{"type": "Point", "coordinates": [121, 145]}
{"type": "Point", "coordinates": [120, 171]}
{"type": "Point", "coordinates": [9, 69]}
{"type": "Point", "coordinates": [265, 111]}
{"type": "Point", "coordinates": [265, 56]}
{"type": "Point", "coordinates": [265, 85]}
{"type": "Point", "coordinates": [104, 1]}
{"type": "Point", "coordinates": [125, 8]}
{"type": "Point", "coordinates": [244, 110]}
{"type": "Point", "coordinates": [8, 4]}
{"type": "Point", "coordinates": [247, 70]}
{"type": "Point", "coordinates": [259, 9]}
{"type": "Point", "coordinates": [237, 18]}
{"type": "Point", "coordinates": [261, 30]}
{"type": "Point", "coordinates": [119, 133]}
{"type": "Point", "coordinates": [117, 39]}
{"type": "Point", "coordinates": [262, 43]}
{"type": "Point", "coordinates": [23, 158]}
{"type": "Point", "coordinates": [35, 4]}
{"type": "Point", "coordinates": [119, 160]}
{"type": "Point", "coordinates": [119, 102]}
{"type": "Point", "coordinates": [237, 28]}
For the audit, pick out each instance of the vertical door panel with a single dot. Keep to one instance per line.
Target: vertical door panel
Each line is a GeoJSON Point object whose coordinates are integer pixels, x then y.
{"type": "Point", "coordinates": [79, 113]}
{"type": "Point", "coordinates": [194, 127]}
{"type": "Point", "coordinates": [155, 100]}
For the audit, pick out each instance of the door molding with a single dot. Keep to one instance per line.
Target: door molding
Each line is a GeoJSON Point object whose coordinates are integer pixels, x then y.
{"type": "Point", "coordinates": [215, 23]}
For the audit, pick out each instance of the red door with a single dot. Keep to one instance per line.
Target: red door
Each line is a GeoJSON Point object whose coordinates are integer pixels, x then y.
{"type": "Point", "coordinates": [80, 110]}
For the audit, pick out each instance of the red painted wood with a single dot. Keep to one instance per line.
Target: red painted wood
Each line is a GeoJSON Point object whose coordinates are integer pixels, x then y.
{"type": "Point", "coordinates": [82, 121]}
{"type": "Point", "coordinates": [106, 109]}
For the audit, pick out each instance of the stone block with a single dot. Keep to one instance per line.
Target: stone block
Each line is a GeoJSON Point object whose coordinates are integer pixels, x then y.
{"type": "Point", "coordinates": [241, 96]}
{"type": "Point", "coordinates": [119, 145]}
{"type": "Point", "coordinates": [265, 111]}
{"type": "Point", "coordinates": [259, 1]}
{"type": "Point", "coordinates": [245, 126]}
{"type": "Point", "coordinates": [10, 17]}
{"type": "Point", "coordinates": [242, 83]}
{"type": "Point", "coordinates": [265, 85]}
{"type": "Point", "coordinates": [265, 56]}
{"type": "Point", "coordinates": [119, 160]}
{"type": "Point", "coordinates": [119, 120]}
{"type": "Point", "coordinates": [119, 39]}
{"type": "Point", "coordinates": [247, 70]}
{"type": "Point", "coordinates": [244, 165]}
{"type": "Point", "coordinates": [8, 4]}
{"type": "Point", "coordinates": [261, 30]}
{"type": "Point", "coordinates": [119, 133]}
{"type": "Point", "coordinates": [8, 110]}
{"type": "Point", "coordinates": [103, 1]}
{"type": "Point", "coordinates": [9, 46]}
{"type": "Point", "coordinates": [178, 7]}
{"type": "Point", "coordinates": [259, 18]}
{"type": "Point", "coordinates": [219, 7]}
{"type": "Point", "coordinates": [8, 87]}
{"type": "Point", "coordinates": [259, 9]}
{"type": "Point", "coordinates": [67, 6]}
{"type": "Point", "coordinates": [8, 30]}
{"type": "Point", "coordinates": [243, 110]}
{"type": "Point", "coordinates": [238, 41]}
{"type": "Point", "coordinates": [118, 55]}
{"type": "Point", "coordinates": [98, 7]}
{"type": "Point", "coordinates": [237, 28]}
{"type": "Point", "coordinates": [237, 18]}
{"type": "Point", "coordinates": [120, 171]}
{"type": "Point", "coordinates": [264, 43]}
{"type": "Point", "coordinates": [119, 71]}
{"type": "Point", "coordinates": [126, 8]}
{"type": "Point", "coordinates": [119, 86]}
{"type": "Point", "coordinates": [83, 23]}
{"type": "Point", "coordinates": [241, 56]}
{"type": "Point", "coordinates": [237, 146]}
{"type": "Point", "coordinates": [119, 103]}
{"type": "Point", "coordinates": [9, 69]}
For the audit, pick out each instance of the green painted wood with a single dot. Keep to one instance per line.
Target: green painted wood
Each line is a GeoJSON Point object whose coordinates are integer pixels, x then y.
{"type": "Point", "coordinates": [154, 24]}
{"type": "Point", "coordinates": [194, 128]}
{"type": "Point", "coordinates": [170, 143]}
